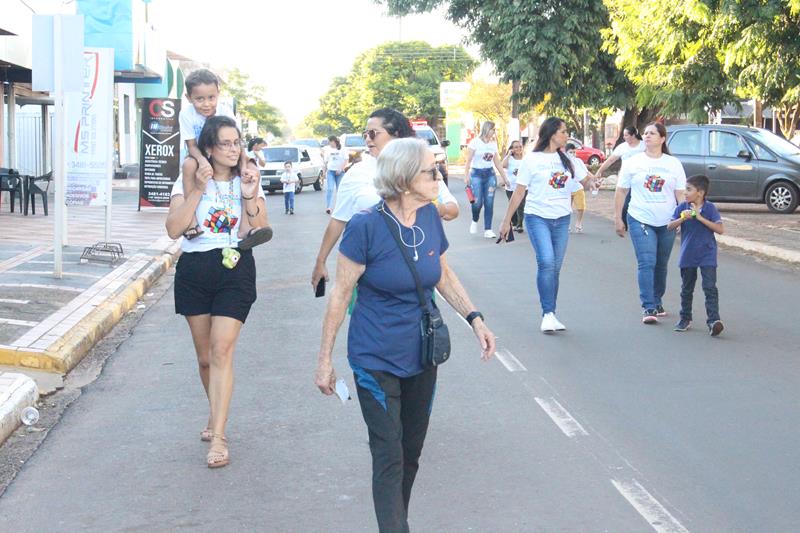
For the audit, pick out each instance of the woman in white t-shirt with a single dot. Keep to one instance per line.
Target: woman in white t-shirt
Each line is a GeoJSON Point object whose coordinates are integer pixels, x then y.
{"type": "Point", "coordinates": [215, 279]}
{"type": "Point", "coordinates": [656, 182]}
{"type": "Point", "coordinates": [511, 163]}
{"type": "Point", "coordinates": [550, 177]}
{"type": "Point", "coordinates": [482, 159]}
{"type": "Point", "coordinates": [335, 161]}
{"type": "Point", "coordinates": [632, 144]}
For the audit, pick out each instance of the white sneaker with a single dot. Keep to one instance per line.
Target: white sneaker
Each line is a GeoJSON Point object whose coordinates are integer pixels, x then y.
{"type": "Point", "coordinates": [473, 228]}
{"type": "Point", "coordinates": [547, 322]}
{"type": "Point", "coordinates": [558, 325]}
{"type": "Point", "coordinates": [489, 234]}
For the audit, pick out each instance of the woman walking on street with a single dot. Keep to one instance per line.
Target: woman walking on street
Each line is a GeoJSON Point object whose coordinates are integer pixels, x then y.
{"type": "Point", "coordinates": [511, 163]}
{"type": "Point", "coordinates": [215, 279]}
{"type": "Point", "coordinates": [550, 177]}
{"type": "Point", "coordinates": [384, 344]}
{"type": "Point", "coordinates": [482, 159]}
{"type": "Point", "coordinates": [656, 182]}
{"type": "Point", "coordinates": [632, 144]}
{"type": "Point", "coordinates": [335, 161]}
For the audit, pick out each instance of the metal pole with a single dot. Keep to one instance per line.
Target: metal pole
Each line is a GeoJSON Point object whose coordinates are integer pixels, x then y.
{"type": "Point", "coordinates": [12, 127]}
{"type": "Point", "coordinates": [58, 137]}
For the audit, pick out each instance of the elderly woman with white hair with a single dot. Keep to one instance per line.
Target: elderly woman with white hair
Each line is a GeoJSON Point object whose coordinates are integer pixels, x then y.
{"type": "Point", "coordinates": [385, 341]}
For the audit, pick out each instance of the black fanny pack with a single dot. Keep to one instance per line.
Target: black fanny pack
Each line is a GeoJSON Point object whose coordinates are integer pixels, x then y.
{"type": "Point", "coordinates": [433, 331]}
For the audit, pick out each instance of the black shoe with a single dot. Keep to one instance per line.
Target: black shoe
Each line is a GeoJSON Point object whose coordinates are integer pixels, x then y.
{"type": "Point", "coordinates": [291, 211]}
{"type": "Point", "coordinates": [649, 316]}
{"type": "Point", "coordinates": [682, 325]}
{"type": "Point", "coordinates": [660, 311]}
{"type": "Point", "coordinates": [715, 328]}
{"type": "Point", "coordinates": [286, 212]}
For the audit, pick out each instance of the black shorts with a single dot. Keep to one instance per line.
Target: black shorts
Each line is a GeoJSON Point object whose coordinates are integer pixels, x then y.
{"type": "Point", "coordinates": [204, 286]}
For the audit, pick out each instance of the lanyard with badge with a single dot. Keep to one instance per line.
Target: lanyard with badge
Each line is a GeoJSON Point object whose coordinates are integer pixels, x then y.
{"type": "Point", "coordinates": [230, 255]}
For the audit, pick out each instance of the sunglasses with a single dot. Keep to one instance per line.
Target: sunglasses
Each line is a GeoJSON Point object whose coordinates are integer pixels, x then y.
{"type": "Point", "coordinates": [372, 133]}
{"type": "Point", "coordinates": [433, 172]}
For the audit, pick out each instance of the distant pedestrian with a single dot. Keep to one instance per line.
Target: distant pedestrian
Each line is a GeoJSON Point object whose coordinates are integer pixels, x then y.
{"type": "Point", "coordinates": [335, 161]}
{"type": "Point", "coordinates": [698, 220]}
{"type": "Point", "coordinates": [511, 163]}
{"type": "Point", "coordinates": [290, 179]}
{"type": "Point", "coordinates": [384, 344]}
{"type": "Point", "coordinates": [215, 279]}
{"type": "Point", "coordinates": [579, 196]}
{"type": "Point", "coordinates": [482, 160]}
{"type": "Point", "coordinates": [656, 181]}
{"type": "Point", "coordinates": [550, 177]}
{"type": "Point", "coordinates": [255, 151]}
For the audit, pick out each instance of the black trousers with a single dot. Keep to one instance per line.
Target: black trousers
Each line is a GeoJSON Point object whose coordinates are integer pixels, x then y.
{"type": "Point", "coordinates": [709, 284]}
{"type": "Point", "coordinates": [396, 411]}
{"type": "Point", "coordinates": [519, 215]}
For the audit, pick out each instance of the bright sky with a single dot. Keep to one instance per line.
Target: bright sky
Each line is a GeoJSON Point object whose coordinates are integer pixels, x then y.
{"type": "Point", "coordinates": [293, 48]}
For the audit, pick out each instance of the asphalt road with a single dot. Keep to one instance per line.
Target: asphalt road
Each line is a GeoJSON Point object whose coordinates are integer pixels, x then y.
{"type": "Point", "coordinates": [609, 426]}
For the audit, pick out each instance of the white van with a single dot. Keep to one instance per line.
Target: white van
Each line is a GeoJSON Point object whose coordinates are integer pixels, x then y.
{"type": "Point", "coordinates": [427, 134]}
{"type": "Point", "coordinates": [308, 166]}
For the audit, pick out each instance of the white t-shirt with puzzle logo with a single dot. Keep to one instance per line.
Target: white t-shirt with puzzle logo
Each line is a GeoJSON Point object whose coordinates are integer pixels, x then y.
{"type": "Point", "coordinates": [484, 153]}
{"type": "Point", "coordinates": [550, 184]}
{"type": "Point", "coordinates": [653, 182]}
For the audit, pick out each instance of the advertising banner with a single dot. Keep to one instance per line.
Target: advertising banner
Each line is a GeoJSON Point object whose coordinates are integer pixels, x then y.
{"type": "Point", "coordinates": [159, 162]}
{"type": "Point", "coordinates": [90, 125]}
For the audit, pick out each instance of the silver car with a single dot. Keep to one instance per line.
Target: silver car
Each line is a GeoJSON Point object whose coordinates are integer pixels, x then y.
{"type": "Point", "coordinates": [744, 164]}
{"type": "Point", "coordinates": [307, 165]}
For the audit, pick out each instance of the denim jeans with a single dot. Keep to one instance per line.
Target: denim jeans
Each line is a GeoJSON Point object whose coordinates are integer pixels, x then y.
{"type": "Point", "coordinates": [709, 284]}
{"type": "Point", "coordinates": [484, 183]}
{"type": "Point", "coordinates": [549, 238]}
{"type": "Point", "coordinates": [653, 245]}
{"type": "Point", "coordinates": [288, 200]}
{"type": "Point", "coordinates": [332, 179]}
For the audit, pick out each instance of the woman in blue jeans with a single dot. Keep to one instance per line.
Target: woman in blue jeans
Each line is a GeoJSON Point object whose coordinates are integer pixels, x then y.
{"type": "Point", "coordinates": [550, 177]}
{"type": "Point", "coordinates": [482, 159]}
{"type": "Point", "coordinates": [656, 181]}
{"type": "Point", "coordinates": [335, 163]}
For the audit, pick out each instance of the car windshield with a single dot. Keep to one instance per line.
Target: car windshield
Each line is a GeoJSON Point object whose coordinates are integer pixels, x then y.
{"type": "Point", "coordinates": [429, 136]}
{"type": "Point", "coordinates": [279, 155]}
{"type": "Point", "coordinates": [352, 141]}
{"type": "Point", "coordinates": [308, 142]}
{"type": "Point", "coordinates": [777, 144]}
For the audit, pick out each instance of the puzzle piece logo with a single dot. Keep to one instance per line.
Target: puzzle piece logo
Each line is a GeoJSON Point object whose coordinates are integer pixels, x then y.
{"type": "Point", "coordinates": [654, 183]}
{"type": "Point", "coordinates": [488, 156]}
{"type": "Point", "coordinates": [558, 180]}
{"type": "Point", "coordinates": [516, 170]}
{"type": "Point", "coordinates": [220, 221]}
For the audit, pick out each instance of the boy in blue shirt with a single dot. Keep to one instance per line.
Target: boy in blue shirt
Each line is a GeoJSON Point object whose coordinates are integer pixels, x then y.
{"type": "Point", "coordinates": [699, 220]}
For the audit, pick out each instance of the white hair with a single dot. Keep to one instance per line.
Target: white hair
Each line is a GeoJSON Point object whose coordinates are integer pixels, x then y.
{"type": "Point", "coordinates": [399, 163]}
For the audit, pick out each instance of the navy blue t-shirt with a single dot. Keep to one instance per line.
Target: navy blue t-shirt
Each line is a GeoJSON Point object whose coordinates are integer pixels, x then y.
{"type": "Point", "coordinates": [698, 245]}
{"type": "Point", "coordinates": [384, 329]}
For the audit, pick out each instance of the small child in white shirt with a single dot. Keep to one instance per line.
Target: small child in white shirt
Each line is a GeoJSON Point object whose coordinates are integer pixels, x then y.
{"type": "Point", "coordinates": [289, 179]}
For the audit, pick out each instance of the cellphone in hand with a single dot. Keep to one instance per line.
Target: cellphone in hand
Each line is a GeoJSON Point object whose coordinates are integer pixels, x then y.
{"type": "Point", "coordinates": [509, 237]}
{"type": "Point", "coordinates": [319, 292]}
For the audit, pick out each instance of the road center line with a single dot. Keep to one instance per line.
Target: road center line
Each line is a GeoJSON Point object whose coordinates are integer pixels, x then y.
{"type": "Point", "coordinates": [511, 363]}
{"type": "Point", "coordinates": [565, 422]}
{"type": "Point", "coordinates": [12, 301]}
{"type": "Point", "coordinates": [651, 510]}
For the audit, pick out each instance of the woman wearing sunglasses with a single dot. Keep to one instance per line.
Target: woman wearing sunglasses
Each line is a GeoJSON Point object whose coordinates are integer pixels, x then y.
{"type": "Point", "coordinates": [356, 190]}
{"type": "Point", "coordinates": [482, 160]}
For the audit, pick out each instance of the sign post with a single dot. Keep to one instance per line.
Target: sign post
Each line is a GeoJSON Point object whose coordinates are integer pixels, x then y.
{"type": "Point", "coordinates": [159, 162]}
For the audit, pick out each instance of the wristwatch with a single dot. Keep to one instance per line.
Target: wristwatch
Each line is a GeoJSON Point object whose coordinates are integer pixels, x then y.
{"type": "Point", "coordinates": [473, 315]}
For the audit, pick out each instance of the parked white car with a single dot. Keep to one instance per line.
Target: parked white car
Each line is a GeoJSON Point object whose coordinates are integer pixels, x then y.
{"type": "Point", "coordinates": [305, 162]}
{"type": "Point", "coordinates": [427, 134]}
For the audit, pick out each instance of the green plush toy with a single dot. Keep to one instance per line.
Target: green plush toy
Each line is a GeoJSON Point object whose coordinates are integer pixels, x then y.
{"type": "Point", "coordinates": [230, 257]}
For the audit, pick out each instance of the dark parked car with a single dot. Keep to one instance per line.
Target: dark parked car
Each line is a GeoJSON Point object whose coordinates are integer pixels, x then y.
{"type": "Point", "coordinates": [744, 164]}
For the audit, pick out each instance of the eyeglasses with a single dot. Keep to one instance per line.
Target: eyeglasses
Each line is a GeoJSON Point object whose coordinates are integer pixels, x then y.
{"type": "Point", "coordinates": [372, 133]}
{"type": "Point", "coordinates": [230, 146]}
{"type": "Point", "coordinates": [433, 172]}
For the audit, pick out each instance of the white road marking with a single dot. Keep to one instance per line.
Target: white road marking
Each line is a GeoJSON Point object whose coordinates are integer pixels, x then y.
{"type": "Point", "coordinates": [12, 301]}
{"type": "Point", "coordinates": [565, 422]}
{"type": "Point", "coordinates": [729, 219]}
{"type": "Point", "coordinates": [651, 510]}
{"type": "Point", "coordinates": [511, 363]}
{"type": "Point", "coordinates": [41, 286]}
{"type": "Point", "coordinates": [50, 273]}
{"type": "Point", "coordinates": [14, 322]}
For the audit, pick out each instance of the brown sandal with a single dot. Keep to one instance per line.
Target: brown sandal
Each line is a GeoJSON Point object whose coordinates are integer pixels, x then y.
{"type": "Point", "coordinates": [206, 435]}
{"type": "Point", "coordinates": [218, 452]}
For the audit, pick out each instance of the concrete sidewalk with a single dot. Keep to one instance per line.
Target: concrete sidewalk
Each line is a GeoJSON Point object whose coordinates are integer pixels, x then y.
{"type": "Point", "coordinates": [47, 325]}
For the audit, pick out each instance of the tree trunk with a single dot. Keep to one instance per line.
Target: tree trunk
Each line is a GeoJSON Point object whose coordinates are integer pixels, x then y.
{"type": "Point", "coordinates": [515, 99]}
{"type": "Point", "coordinates": [787, 119]}
{"type": "Point", "coordinates": [757, 111]}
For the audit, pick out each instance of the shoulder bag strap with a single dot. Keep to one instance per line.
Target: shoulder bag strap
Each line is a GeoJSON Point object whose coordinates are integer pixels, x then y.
{"type": "Point", "coordinates": [404, 253]}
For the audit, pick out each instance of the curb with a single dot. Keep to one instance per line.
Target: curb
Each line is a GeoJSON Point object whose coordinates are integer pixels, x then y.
{"type": "Point", "coordinates": [17, 392]}
{"type": "Point", "coordinates": [67, 351]}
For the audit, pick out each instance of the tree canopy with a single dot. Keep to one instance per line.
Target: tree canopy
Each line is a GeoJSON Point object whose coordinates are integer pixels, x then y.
{"type": "Point", "coordinates": [251, 103]}
{"type": "Point", "coordinates": [402, 75]}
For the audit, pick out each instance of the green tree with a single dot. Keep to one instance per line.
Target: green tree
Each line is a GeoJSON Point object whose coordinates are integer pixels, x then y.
{"type": "Point", "coordinates": [251, 103]}
{"type": "Point", "coordinates": [402, 75]}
